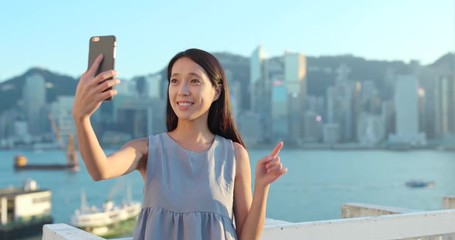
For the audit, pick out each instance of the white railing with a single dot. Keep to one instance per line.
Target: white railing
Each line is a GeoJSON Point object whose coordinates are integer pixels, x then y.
{"type": "Point", "coordinates": [397, 226]}
{"type": "Point", "coordinates": [438, 224]}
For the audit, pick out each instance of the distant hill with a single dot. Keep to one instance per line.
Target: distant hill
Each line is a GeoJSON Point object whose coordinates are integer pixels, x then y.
{"type": "Point", "coordinates": [237, 69]}
{"type": "Point", "coordinates": [444, 64]}
{"type": "Point", "coordinates": [11, 90]}
{"type": "Point", "coordinates": [361, 70]}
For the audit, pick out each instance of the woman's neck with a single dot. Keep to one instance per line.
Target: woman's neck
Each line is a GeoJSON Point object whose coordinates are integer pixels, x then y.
{"type": "Point", "coordinates": [192, 135]}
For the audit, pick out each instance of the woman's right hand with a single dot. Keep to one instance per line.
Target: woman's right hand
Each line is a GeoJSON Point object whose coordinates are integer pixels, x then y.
{"type": "Point", "coordinates": [92, 90]}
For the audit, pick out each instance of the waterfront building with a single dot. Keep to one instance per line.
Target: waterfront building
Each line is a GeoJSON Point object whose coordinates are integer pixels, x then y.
{"type": "Point", "coordinates": [443, 104]}
{"type": "Point", "coordinates": [280, 128]}
{"type": "Point", "coordinates": [24, 211]}
{"type": "Point", "coordinates": [370, 129]}
{"type": "Point", "coordinates": [331, 133]}
{"type": "Point", "coordinates": [249, 124]}
{"type": "Point", "coordinates": [312, 127]}
{"type": "Point", "coordinates": [34, 97]}
{"type": "Point", "coordinates": [340, 104]}
{"type": "Point", "coordinates": [406, 113]}
{"type": "Point", "coordinates": [260, 89]}
{"type": "Point", "coordinates": [295, 83]}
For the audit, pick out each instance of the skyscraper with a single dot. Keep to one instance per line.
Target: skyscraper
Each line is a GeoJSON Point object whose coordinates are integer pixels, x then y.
{"type": "Point", "coordinates": [443, 104]}
{"type": "Point", "coordinates": [406, 112]}
{"type": "Point", "coordinates": [340, 104]}
{"type": "Point", "coordinates": [280, 128]}
{"type": "Point", "coordinates": [259, 79]}
{"type": "Point", "coordinates": [260, 89]}
{"type": "Point", "coordinates": [34, 95]}
{"type": "Point", "coordinates": [294, 80]}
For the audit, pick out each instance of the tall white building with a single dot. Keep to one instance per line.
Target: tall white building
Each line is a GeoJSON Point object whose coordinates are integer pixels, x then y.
{"type": "Point", "coordinates": [34, 96]}
{"type": "Point", "coordinates": [295, 72]}
{"type": "Point", "coordinates": [258, 65]}
{"type": "Point", "coordinates": [407, 112]}
{"type": "Point", "coordinates": [260, 89]}
{"type": "Point", "coordinates": [295, 82]}
{"type": "Point", "coordinates": [259, 80]}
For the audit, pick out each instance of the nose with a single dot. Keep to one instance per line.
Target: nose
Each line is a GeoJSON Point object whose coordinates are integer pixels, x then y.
{"type": "Point", "coordinates": [183, 90]}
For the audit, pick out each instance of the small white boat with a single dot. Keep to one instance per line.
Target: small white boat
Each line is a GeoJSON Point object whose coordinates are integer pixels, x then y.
{"type": "Point", "coordinates": [108, 221]}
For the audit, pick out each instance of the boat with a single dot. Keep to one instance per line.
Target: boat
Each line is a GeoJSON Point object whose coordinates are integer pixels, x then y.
{"type": "Point", "coordinates": [21, 161]}
{"type": "Point", "coordinates": [72, 164]}
{"type": "Point", "coordinates": [420, 184]}
{"type": "Point", "coordinates": [24, 211]}
{"type": "Point", "coordinates": [108, 221]}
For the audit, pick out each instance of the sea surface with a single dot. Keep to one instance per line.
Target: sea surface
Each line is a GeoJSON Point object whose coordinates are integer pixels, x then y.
{"type": "Point", "coordinates": [318, 182]}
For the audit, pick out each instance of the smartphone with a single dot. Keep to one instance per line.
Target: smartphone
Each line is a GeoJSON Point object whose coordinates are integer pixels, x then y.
{"type": "Point", "coordinates": [102, 45]}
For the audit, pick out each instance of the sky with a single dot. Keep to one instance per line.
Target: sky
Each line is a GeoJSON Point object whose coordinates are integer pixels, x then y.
{"type": "Point", "coordinates": [55, 34]}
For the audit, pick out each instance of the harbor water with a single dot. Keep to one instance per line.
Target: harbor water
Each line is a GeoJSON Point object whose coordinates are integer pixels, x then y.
{"type": "Point", "coordinates": [318, 182]}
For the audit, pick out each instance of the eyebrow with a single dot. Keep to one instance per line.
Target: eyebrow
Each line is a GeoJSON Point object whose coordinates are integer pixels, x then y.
{"type": "Point", "coordinates": [191, 73]}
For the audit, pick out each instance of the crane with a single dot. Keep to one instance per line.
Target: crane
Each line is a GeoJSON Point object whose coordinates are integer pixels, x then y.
{"type": "Point", "coordinates": [71, 154]}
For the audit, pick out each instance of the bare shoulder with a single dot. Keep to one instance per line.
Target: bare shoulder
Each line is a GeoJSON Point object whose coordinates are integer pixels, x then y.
{"type": "Point", "coordinates": [241, 157]}
{"type": "Point", "coordinates": [240, 151]}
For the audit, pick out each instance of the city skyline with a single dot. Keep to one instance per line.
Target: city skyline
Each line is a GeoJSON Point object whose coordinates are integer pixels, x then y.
{"type": "Point", "coordinates": [55, 35]}
{"type": "Point", "coordinates": [363, 108]}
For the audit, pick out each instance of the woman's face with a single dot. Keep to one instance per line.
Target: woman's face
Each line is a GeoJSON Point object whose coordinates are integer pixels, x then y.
{"type": "Point", "coordinates": [190, 91]}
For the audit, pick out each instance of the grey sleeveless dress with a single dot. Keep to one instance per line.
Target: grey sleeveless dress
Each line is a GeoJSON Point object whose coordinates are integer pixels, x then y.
{"type": "Point", "coordinates": [187, 195]}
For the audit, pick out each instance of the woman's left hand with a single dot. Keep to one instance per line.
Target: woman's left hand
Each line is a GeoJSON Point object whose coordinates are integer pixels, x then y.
{"type": "Point", "coordinates": [270, 168]}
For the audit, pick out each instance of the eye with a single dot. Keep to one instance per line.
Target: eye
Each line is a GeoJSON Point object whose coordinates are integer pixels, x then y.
{"type": "Point", "coordinates": [173, 80]}
{"type": "Point", "coordinates": [195, 81]}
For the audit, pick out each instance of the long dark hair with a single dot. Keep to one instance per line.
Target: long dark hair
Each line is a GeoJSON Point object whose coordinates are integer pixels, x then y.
{"type": "Point", "coordinates": [220, 120]}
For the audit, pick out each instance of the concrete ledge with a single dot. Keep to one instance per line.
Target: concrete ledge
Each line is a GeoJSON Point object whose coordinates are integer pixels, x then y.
{"type": "Point", "coordinates": [397, 226]}
{"type": "Point", "coordinates": [62, 231]}
{"type": "Point", "coordinates": [353, 210]}
{"type": "Point", "coordinates": [448, 202]}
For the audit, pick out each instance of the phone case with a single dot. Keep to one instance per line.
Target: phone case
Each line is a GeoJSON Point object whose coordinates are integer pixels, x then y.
{"type": "Point", "coordinates": [102, 45]}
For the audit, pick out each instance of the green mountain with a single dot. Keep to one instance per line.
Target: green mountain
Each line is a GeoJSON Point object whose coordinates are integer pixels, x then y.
{"type": "Point", "coordinates": [237, 70]}
{"type": "Point", "coordinates": [57, 84]}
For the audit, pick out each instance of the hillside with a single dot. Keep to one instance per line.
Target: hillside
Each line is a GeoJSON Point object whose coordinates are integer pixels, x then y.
{"type": "Point", "coordinates": [237, 70]}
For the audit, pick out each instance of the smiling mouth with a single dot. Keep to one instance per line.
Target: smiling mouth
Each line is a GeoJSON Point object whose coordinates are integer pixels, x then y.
{"type": "Point", "coordinates": [184, 104]}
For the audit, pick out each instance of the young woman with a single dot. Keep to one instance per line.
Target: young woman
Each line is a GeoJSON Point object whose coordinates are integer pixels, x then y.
{"type": "Point", "coordinates": [197, 178]}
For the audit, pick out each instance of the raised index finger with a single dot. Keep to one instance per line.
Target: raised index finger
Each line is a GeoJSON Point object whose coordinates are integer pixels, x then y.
{"type": "Point", "coordinates": [277, 149]}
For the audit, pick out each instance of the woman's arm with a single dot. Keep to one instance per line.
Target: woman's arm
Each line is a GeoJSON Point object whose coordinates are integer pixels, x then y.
{"type": "Point", "coordinates": [250, 211]}
{"type": "Point", "coordinates": [130, 157]}
{"type": "Point", "coordinates": [90, 93]}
